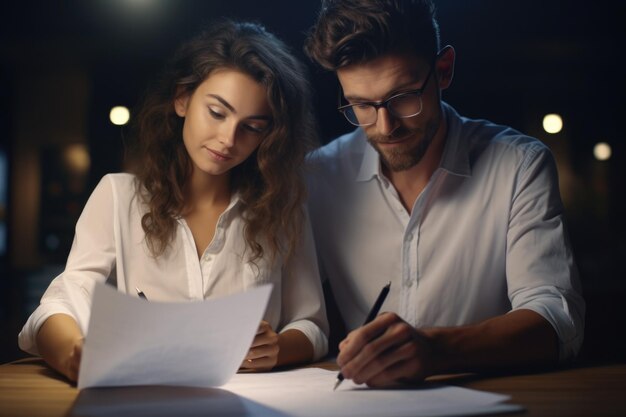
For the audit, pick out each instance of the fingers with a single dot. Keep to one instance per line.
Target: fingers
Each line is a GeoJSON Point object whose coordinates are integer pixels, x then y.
{"type": "Point", "coordinates": [403, 363]}
{"type": "Point", "coordinates": [265, 336]}
{"type": "Point", "coordinates": [259, 352]}
{"type": "Point", "coordinates": [359, 338]}
{"type": "Point", "coordinates": [263, 327]}
{"type": "Point", "coordinates": [73, 363]}
{"type": "Point", "coordinates": [263, 353]}
{"type": "Point", "coordinates": [384, 352]}
{"type": "Point", "coordinates": [263, 363]}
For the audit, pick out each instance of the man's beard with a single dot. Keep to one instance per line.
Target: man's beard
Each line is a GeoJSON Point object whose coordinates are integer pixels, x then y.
{"type": "Point", "coordinates": [405, 155]}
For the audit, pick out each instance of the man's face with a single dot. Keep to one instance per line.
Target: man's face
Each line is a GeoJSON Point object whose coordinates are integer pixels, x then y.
{"type": "Point", "coordinates": [401, 143]}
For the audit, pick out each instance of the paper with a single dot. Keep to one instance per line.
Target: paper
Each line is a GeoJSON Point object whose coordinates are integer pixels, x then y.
{"type": "Point", "coordinates": [309, 393]}
{"type": "Point", "coordinates": [299, 393]}
{"type": "Point", "coordinates": [137, 342]}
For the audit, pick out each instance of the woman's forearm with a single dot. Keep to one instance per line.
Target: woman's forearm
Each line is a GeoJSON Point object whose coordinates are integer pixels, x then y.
{"type": "Point", "coordinates": [294, 347]}
{"type": "Point", "coordinates": [59, 342]}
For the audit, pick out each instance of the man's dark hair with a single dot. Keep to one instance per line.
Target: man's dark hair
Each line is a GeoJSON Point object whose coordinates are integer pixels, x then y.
{"type": "Point", "coordinates": [354, 31]}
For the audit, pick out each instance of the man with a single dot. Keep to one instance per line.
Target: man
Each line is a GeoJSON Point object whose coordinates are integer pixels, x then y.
{"type": "Point", "coordinates": [463, 216]}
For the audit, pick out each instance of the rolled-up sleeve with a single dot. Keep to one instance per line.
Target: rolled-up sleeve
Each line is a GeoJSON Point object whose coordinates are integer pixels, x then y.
{"type": "Point", "coordinates": [541, 272]}
{"type": "Point", "coordinates": [303, 301]}
{"type": "Point", "coordinates": [91, 260]}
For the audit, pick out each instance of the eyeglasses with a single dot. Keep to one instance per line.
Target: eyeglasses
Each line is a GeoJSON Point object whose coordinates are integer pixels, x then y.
{"type": "Point", "coordinates": [402, 105]}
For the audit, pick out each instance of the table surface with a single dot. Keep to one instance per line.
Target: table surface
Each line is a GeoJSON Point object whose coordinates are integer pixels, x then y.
{"type": "Point", "coordinates": [28, 387]}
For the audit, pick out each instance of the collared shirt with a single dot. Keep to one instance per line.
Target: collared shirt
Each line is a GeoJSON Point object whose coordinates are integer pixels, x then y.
{"type": "Point", "coordinates": [109, 246]}
{"type": "Point", "coordinates": [485, 236]}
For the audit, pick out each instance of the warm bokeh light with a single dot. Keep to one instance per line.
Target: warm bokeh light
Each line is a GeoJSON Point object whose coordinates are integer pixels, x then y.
{"type": "Point", "coordinates": [119, 115]}
{"type": "Point", "coordinates": [77, 159]}
{"type": "Point", "coordinates": [602, 151]}
{"type": "Point", "coordinates": [552, 123]}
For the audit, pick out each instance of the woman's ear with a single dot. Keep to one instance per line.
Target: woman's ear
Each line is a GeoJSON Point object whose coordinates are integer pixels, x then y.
{"type": "Point", "coordinates": [445, 66]}
{"type": "Point", "coordinates": [180, 103]}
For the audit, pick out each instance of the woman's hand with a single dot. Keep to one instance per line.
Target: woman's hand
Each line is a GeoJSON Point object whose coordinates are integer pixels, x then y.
{"type": "Point", "coordinates": [72, 363]}
{"type": "Point", "coordinates": [263, 354]}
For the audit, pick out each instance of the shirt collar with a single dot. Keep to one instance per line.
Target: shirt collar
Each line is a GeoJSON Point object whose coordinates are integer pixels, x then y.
{"type": "Point", "coordinates": [370, 166]}
{"type": "Point", "coordinates": [455, 158]}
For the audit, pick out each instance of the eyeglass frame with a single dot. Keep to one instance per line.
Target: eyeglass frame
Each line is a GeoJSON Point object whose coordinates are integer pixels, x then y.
{"type": "Point", "coordinates": [385, 103]}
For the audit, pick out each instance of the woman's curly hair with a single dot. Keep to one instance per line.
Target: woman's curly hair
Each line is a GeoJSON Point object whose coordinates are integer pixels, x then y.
{"type": "Point", "coordinates": [270, 181]}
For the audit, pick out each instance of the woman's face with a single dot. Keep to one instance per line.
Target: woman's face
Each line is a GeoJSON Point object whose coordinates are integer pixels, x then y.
{"type": "Point", "coordinates": [225, 119]}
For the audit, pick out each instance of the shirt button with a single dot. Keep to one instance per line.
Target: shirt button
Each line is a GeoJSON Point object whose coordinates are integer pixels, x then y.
{"type": "Point", "coordinates": [408, 283]}
{"type": "Point", "coordinates": [409, 236]}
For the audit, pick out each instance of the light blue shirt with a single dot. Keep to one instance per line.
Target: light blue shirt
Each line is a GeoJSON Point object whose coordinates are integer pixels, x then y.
{"type": "Point", "coordinates": [485, 237]}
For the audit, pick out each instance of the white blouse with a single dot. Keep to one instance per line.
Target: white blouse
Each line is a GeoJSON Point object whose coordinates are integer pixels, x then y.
{"type": "Point", "coordinates": [109, 246]}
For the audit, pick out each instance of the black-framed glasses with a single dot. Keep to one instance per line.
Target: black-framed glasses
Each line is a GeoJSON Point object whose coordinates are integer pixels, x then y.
{"type": "Point", "coordinates": [403, 105]}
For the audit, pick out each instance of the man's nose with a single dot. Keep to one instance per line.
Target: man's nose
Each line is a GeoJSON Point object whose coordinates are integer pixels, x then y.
{"type": "Point", "coordinates": [385, 123]}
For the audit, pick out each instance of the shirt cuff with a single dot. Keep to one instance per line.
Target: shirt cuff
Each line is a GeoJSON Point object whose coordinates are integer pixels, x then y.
{"type": "Point", "coordinates": [315, 335]}
{"type": "Point", "coordinates": [564, 310]}
{"type": "Point", "coordinates": [27, 338]}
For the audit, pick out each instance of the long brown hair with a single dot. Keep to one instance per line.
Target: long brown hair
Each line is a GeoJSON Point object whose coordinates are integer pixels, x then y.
{"type": "Point", "coordinates": [270, 181]}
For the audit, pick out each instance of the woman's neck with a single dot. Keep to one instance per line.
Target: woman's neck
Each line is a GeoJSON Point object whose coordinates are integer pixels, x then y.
{"type": "Point", "coordinates": [208, 190]}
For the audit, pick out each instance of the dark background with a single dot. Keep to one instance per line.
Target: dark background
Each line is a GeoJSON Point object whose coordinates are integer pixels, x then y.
{"type": "Point", "coordinates": [64, 64]}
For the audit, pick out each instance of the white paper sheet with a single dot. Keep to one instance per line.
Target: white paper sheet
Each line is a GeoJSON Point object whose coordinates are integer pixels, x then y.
{"type": "Point", "coordinates": [137, 342]}
{"type": "Point", "coordinates": [309, 393]}
{"type": "Point", "coordinates": [299, 393]}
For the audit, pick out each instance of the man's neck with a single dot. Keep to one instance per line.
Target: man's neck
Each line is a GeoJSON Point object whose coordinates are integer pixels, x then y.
{"type": "Point", "coordinates": [411, 182]}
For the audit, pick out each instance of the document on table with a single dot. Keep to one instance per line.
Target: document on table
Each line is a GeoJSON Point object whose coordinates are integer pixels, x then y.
{"type": "Point", "coordinates": [299, 393]}
{"type": "Point", "coordinates": [131, 341]}
{"type": "Point", "coordinates": [309, 393]}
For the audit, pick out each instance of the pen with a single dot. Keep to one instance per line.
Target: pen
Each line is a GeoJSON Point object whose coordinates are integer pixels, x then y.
{"type": "Point", "coordinates": [140, 293]}
{"type": "Point", "coordinates": [371, 316]}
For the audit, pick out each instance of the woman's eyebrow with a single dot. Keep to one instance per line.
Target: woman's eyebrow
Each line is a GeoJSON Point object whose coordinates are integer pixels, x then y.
{"type": "Point", "coordinates": [224, 102]}
{"type": "Point", "coordinates": [232, 109]}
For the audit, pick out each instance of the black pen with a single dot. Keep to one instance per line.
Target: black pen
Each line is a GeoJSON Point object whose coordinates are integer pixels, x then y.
{"type": "Point", "coordinates": [140, 293]}
{"type": "Point", "coordinates": [371, 316]}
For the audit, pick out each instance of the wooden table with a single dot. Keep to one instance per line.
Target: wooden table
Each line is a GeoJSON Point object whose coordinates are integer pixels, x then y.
{"type": "Point", "coordinates": [29, 388]}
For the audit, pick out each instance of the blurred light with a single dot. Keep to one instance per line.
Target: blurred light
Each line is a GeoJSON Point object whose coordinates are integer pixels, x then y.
{"type": "Point", "coordinates": [119, 115]}
{"type": "Point", "coordinates": [602, 151]}
{"type": "Point", "coordinates": [76, 158]}
{"type": "Point", "coordinates": [552, 123]}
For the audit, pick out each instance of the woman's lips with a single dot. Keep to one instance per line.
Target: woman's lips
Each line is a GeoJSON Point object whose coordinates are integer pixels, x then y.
{"type": "Point", "coordinates": [218, 155]}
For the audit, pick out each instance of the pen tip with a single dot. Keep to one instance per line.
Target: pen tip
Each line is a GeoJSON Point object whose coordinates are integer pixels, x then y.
{"type": "Point", "coordinates": [337, 384]}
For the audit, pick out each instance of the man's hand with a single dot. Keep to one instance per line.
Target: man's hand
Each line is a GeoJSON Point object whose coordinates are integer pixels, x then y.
{"type": "Point", "coordinates": [387, 351]}
{"type": "Point", "coordinates": [263, 354]}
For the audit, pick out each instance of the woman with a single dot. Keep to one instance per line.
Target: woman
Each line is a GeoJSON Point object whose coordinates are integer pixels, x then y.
{"type": "Point", "coordinates": [214, 206]}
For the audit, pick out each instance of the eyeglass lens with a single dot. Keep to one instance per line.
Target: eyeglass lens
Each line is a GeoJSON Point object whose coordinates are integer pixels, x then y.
{"type": "Point", "coordinates": [404, 105]}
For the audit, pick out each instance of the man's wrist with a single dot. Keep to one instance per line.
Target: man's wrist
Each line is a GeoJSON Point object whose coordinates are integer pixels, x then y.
{"type": "Point", "coordinates": [446, 350]}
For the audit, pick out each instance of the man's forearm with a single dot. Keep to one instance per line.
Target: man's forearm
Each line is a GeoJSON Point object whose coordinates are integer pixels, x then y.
{"type": "Point", "coordinates": [519, 339]}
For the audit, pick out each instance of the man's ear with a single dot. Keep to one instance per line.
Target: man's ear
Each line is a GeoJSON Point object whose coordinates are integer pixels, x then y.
{"type": "Point", "coordinates": [180, 103]}
{"type": "Point", "coordinates": [445, 66]}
